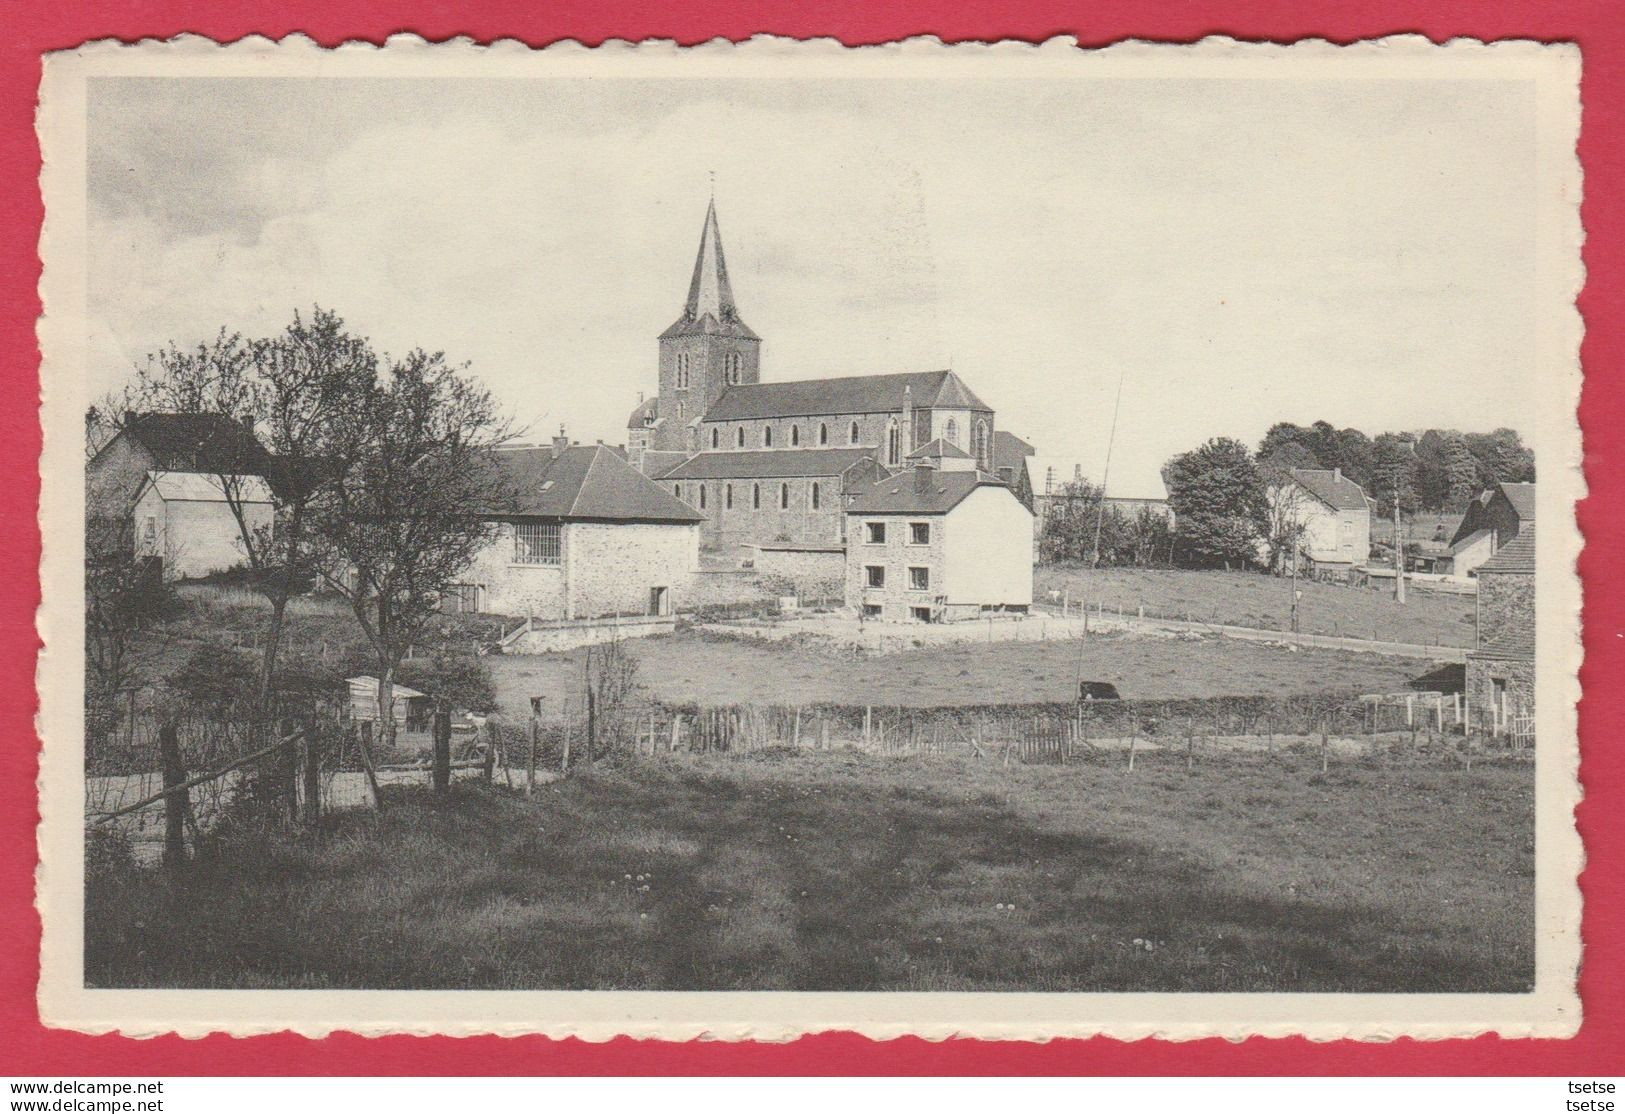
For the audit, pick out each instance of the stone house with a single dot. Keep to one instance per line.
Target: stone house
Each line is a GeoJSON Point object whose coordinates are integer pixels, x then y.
{"type": "Point", "coordinates": [589, 536]}
{"type": "Point", "coordinates": [1335, 516]}
{"type": "Point", "coordinates": [1492, 520]}
{"type": "Point", "coordinates": [188, 523]}
{"type": "Point", "coordinates": [1501, 666]}
{"type": "Point", "coordinates": [930, 545]}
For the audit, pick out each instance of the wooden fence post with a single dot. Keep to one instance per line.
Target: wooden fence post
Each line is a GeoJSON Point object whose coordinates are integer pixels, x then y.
{"type": "Point", "coordinates": [592, 724]}
{"type": "Point", "coordinates": [1325, 751]}
{"type": "Point", "coordinates": [313, 772]}
{"type": "Point", "coordinates": [174, 773]}
{"type": "Point", "coordinates": [488, 767]}
{"type": "Point", "coordinates": [676, 731]}
{"type": "Point", "coordinates": [530, 757]}
{"type": "Point", "coordinates": [364, 744]}
{"type": "Point", "coordinates": [440, 728]}
{"type": "Point", "coordinates": [1133, 737]}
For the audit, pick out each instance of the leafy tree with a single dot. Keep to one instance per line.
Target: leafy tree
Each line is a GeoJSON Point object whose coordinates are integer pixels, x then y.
{"type": "Point", "coordinates": [1502, 457]}
{"type": "Point", "coordinates": [1286, 511]}
{"type": "Point", "coordinates": [1217, 495]}
{"type": "Point", "coordinates": [411, 509]}
{"type": "Point", "coordinates": [1461, 472]}
{"type": "Point", "coordinates": [1069, 524]}
{"type": "Point", "coordinates": [1395, 474]}
{"type": "Point", "coordinates": [1287, 440]}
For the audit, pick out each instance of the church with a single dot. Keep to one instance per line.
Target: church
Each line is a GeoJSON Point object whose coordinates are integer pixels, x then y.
{"type": "Point", "coordinates": [775, 462]}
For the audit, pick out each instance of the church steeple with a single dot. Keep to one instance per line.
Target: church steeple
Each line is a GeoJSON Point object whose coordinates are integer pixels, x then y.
{"type": "Point", "coordinates": [706, 350]}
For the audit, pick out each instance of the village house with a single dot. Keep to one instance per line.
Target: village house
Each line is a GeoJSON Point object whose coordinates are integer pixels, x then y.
{"type": "Point", "coordinates": [1010, 455]}
{"type": "Point", "coordinates": [206, 444]}
{"type": "Point", "coordinates": [189, 523]}
{"type": "Point", "coordinates": [1501, 666]}
{"type": "Point", "coordinates": [1334, 515]}
{"type": "Point", "coordinates": [773, 462]}
{"type": "Point", "coordinates": [937, 544]}
{"type": "Point", "coordinates": [1497, 516]}
{"type": "Point", "coordinates": [588, 537]}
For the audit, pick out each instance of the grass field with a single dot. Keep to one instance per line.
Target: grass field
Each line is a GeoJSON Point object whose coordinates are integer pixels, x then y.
{"type": "Point", "coordinates": [834, 871]}
{"type": "Point", "coordinates": [1251, 599]}
{"type": "Point", "coordinates": [691, 667]}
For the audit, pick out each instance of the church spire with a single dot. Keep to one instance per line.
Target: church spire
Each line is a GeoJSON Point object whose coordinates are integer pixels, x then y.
{"type": "Point", "coordinates": [709, 291]}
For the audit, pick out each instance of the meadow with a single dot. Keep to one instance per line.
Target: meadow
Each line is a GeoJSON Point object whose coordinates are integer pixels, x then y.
{"type": "Point", "coordinates": [695, 667]}
{"type": "Point", "coordinates": [1252, 599]}
{"type": "Point", "coordinates": [839, 871]}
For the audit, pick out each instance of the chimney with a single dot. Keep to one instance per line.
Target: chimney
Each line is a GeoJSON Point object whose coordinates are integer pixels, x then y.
{"type": "Point", "coordinates": [924, 478]}
{"type": "Point", "coordinates": [1077, 472]}
{"type": "Point", "coordinates": [560, 443]}
{"type": "Point", "coordinates": [129, 418]}
{"type": "Point", "coordinates": [1337, 475]}
{"type": "Point", "coordinates": [248, 423]}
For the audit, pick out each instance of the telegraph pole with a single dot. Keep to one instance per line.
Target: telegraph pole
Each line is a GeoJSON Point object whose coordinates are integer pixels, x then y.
{"type": "Point", "coordinates": [1399, 553]}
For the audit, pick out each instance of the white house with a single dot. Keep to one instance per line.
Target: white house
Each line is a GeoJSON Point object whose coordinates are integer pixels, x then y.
{"type": "Point", "coordinates": [1334, 514]}
{"type": "Point", "coordinates": [589, 536]}
{"type": "Point", "coordinates": [930, 545]}
{"type": "Point", "coordinates": [186, 520]}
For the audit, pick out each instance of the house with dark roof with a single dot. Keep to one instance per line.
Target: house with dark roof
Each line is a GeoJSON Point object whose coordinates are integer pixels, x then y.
{"type": "Point", "coordinates": [929, 545]}
{"type": "Point", "coordinates": [1501, 666]}
{"type": "Point", "coordinates": [206, 444]}
{"type": "Point", "coordinates": [1497, 516]}
{"type": "Point", "coordinates": [712, 402]}
{"type": "Point", "coordinates": [1334, 514]}
{"type": "Point", "coordinates": [1010, 455]}
{"type": "Point", "coordinates": [586, 536]}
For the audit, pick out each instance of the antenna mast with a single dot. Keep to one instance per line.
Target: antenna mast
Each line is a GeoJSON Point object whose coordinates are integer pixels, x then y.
{"type": "Point", "coordinates": [1106, 474]}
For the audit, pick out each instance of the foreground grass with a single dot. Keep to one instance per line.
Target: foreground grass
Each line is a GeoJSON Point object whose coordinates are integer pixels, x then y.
{"type": "Point", "coordinates": [690, 666]}
{"type": "Point", "coordinates": [1253, 599]}
{"type": "Point", "coordinates": [833, 871]}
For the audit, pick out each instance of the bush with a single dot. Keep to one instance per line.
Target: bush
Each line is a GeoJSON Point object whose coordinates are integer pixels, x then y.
{"type": "Point", "coordinates": [462, 680]}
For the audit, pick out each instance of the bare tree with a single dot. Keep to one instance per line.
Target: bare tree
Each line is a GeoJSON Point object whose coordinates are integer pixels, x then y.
{"type": "Point", "coordinates": [1287, 519]}
{"type": "Point", "coordinates": [294, 392]}
{"type": "Point", "coordinates": [413, 505]}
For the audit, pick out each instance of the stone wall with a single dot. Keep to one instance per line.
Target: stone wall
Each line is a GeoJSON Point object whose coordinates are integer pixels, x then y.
{"type": "Point", "coordinates": [807, 574]}
{"type": "Point", "coordinates": [1518, 678]}
{"type": "Point", "coordinates": [114, 477]}
{"type": "Point", "coordinates": [1505, 601]}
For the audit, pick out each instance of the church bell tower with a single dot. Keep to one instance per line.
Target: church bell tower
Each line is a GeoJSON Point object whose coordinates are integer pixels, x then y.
{"type": "Point", "coordinates": [706, 350]}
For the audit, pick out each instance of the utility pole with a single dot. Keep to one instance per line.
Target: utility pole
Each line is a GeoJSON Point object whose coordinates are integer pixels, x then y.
{"type": "Point", "coordinates": [1399, 553]}
{"type": "Point", "coordinates": [1295, 592]}
{"type": "Point", "coordinates": [1106, 474]}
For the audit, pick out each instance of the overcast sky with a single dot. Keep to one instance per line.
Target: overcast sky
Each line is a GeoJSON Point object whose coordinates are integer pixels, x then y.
{"type": "Point", "coordinates": [1242, 252]}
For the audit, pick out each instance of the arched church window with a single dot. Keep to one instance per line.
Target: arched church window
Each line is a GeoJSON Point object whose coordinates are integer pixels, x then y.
{"type": "Point", "coordinates": [702, 497]}
{"type": "Point", "coordinates": [950, 433]}
{"type": "Point", "coordinates": [716, 436]}
{"type": "Point", "coordinates": [677, 490]}
{"type": "Point", "coordinates": [894, 445]}
{"type": "Point", "coordinates": [728, 497]}
{"type": "Point", "coordinates": [767, 437]}
{"type": "Point", "coordinates": [755, 497]}
{"type": "Point", "coordinates": [815, 495]}
{"type": "Point", "coordinates": [823, 433]}
{"type": "Point", "coordinates": [795, 436]}
{"type": "Point", "coordinates": [739, 437]}
{"type": "Point", "coordinates": [981, 445]}
{"type": "Point", "coordinates": [784, 497]}
{"type": "Point", "coordinates": [853, 436]}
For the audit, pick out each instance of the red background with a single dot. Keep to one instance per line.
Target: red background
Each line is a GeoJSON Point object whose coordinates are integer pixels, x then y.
{"type": "Point", "coordinates": [28, 1049]}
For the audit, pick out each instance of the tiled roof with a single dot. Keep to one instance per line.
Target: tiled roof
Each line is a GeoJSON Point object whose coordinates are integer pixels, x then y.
{"type": "Point", "coordinates": [710, 306]}
{"type": "Point", "coordinates": [657, 462]}
{"type": "Point", "coordinates": [858, 394]}
{"type": "Point", "coordinates": [900, 494]}
{"type": "Point", "coordinates": [1516, 556]}
{"type": "Point", "coordinates": [937, 448]}
{"type": "Point", "coordinates": [766, 464]}
{"type": "Point", "coordinates": [205, 487]}
{"type": "Point", "coordinates": [644, 413]}
{"type": "Point", "coordinates": [585, 482]}
{"type": "Point", "coordinates": [1336, 491]}
{"type": "Point", "coordinates": [197, 443]}
{"type": "Point", "coordinates": [1522, 498]}
{"type": "Point", "coordinates": [1009, 451]}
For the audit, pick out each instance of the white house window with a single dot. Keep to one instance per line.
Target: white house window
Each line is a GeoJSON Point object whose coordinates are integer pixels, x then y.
{"type": "Point", "coordinates": [739, 437]}
{"type": "Point", "coordinates": [767, 437]}
{"type": "Point", "coordinates": [919, 578]}
{"type": "Point", "coordinates": [815, 495]}
{"type": "Point", "coordinates": [853, 437]}
{"type": "Point", "coordinates": [874, 576]}
{"type": "Point", "coordinates": [919, 533]}
{"type": "Point", "coordinates": [950, 433]}
{"type": "Point", "coordinates": [537, 543]}
{"type": "Point", "coordinates": [784, 497]}
{"type": "Point", "coordinates": [876, 532]}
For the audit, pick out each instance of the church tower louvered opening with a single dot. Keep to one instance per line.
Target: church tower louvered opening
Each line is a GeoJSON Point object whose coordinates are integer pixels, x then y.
{"type": "Point", "coordinates": [706, 350]}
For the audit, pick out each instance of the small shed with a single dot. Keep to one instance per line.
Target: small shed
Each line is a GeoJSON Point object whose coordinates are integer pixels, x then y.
{"type": "Point", "coordinates": [412, 708]}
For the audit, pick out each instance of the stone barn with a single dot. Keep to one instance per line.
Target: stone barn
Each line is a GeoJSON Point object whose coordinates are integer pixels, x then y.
{"type": "Point", "coordinates": [930, 545]}
{"type": "Point", "coordinates": [1501, 666]}
{"type": "Point", "coordinates": [588, 537]}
